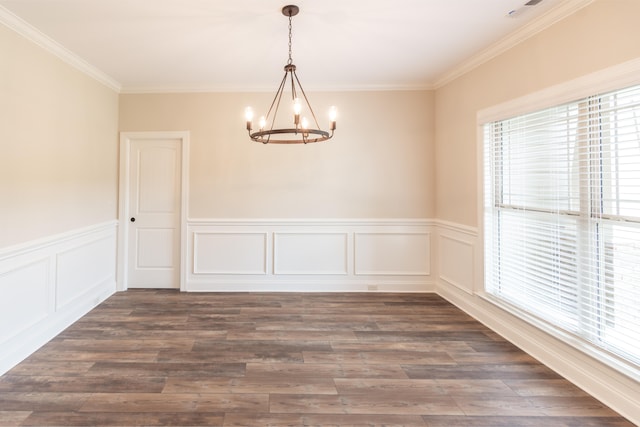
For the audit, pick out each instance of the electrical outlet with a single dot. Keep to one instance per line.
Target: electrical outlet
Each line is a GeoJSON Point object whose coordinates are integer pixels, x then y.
{"type": "Point", "coordinates": [372, 287]}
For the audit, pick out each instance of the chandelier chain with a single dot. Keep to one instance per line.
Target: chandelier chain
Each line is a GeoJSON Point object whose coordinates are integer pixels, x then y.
{"type": "Point", "coordinates": [290, 61]}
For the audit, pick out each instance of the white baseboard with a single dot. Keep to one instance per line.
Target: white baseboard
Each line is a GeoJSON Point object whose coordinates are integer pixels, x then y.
{"type": "Point", "coordinates": [48, 284]}
{"type": "Point", "coordinates": [311, 285]}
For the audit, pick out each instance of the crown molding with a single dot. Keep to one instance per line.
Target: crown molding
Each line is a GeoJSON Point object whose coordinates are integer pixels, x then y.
{"type": "Point", "coordinates": [32, 34]}
{"type": "Point", "coordinates": [141, 90]}
{"type": "Point", "coordinates": [564, 9]}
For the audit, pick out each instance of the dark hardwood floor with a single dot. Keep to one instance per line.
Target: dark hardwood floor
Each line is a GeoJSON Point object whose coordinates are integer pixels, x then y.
{"type": "Point", "coordinates": [249, 359]}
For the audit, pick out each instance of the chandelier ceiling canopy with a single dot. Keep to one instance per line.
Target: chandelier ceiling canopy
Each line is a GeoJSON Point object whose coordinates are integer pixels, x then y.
{"type": "Point", "coordinates": [301, 132]}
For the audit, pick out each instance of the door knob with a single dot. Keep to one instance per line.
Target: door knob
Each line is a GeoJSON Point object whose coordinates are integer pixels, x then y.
{"type": "Point", "coordinates": [133, 219]}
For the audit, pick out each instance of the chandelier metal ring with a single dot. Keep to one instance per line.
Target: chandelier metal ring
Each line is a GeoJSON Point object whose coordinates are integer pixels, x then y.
{"type": "Point", "coordinates": [265, 136]}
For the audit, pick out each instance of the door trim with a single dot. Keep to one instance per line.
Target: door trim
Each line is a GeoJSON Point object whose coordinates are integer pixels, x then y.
{"type": "Point", "coordinates": [123, 201]}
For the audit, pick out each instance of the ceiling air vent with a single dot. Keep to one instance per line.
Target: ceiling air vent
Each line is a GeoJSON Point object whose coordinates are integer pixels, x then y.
{"type": "Point", "coordinates": [516, 12]}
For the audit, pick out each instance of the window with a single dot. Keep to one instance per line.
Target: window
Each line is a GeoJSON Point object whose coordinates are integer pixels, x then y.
{"type": "Point", "coordinates": [562, 218]}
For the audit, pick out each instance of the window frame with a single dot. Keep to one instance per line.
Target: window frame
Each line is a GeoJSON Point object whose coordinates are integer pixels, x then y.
{"type": "Point", "coordinates": [607, 80]}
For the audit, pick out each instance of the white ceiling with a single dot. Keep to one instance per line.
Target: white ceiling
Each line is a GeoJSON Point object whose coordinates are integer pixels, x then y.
{"type": "Point", "coordinates": [169, 45]}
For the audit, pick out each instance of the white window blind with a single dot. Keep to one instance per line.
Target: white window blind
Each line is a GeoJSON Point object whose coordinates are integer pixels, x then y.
{"type": "Point", "coordinates": [562, 217]}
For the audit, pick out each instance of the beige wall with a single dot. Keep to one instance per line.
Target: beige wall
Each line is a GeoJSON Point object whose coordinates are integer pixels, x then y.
{"type": "Point", "coordinates": [603, 34]}
{"type": "Point", "coordinates": [379, 164]}
{"type": "Point", "coordinates": [58, 145]}
{"type": "Point", "coordinates": [405, 154]}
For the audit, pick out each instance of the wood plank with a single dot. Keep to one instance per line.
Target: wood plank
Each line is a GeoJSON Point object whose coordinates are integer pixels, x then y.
{"type": "Point", "coordinates": [168, 369]}
{"type": "Point", "coordinates": [379, 357]}
{"type": "Point", "coordinates": [378, 404]}
{"type": "Point", "coordinates": [283, 384]}
{"type": "Point", "coordinates": [41, 401]}
{"type": "Point", "coordinates": [475, 387]}
{"type": "Point", "coordinates": [119, 419]}
{"type": "Point", "coordinates": [13, 418]}
{"type": "Point", "coordinates": [331, 370]}
{"type": "Point", "coordinates": [552, 387]}
{"type": "Point", "coordinates": [163, 402]}
{"type": "Point", "coordinates": [86, 384]}
{"type": "Point", "coordinates": [348, 386]}
{"type": "Point", "coordinates": [497, 406]}
{"type": "Point", "coordinates": [479, 371]}
{"type": "Point", "coordinates": [570, 406]}
{"type": "Point", "coordinates": [495, 421]}
{"type": "Point", "coordinates": [331, 336]}
{"type": "Point", "coordinates": [290, 420]}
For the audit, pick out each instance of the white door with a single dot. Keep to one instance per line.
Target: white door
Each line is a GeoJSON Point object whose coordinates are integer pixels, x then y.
{"type": "Point", "coordinates": [154, 212]}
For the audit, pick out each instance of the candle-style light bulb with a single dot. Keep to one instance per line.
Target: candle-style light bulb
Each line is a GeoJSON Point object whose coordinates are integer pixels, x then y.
{"type": "Point", "coordinates": [248, 114]}
{"type": "Point", "coordinates": [297, 108]}
{"type": "Point", "coordinates": [333, 115]}
{"type": "Point", "coordinates": [263, 123]}
{"type": "Point", "coordinates": [305, 129]}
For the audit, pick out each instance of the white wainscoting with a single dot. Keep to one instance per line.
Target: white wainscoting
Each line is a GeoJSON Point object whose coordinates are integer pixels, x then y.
{"type": "Point", "coordinates": [457, 256]}
{"type": "Point", "coordinates": [384, 253]}
{"type": "Point", "coordinates": [48, 284]}
{"type": "Point", "coordinates": [309, 255]}
{"type": "Point", "coordinates": [229, 253]}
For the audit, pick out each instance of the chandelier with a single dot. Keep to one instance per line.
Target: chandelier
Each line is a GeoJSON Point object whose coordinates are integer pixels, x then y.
{"type": "Point", "coordinates": [301, 132]}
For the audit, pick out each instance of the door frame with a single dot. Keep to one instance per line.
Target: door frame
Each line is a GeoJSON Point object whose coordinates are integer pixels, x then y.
{"type": "Point", "coordinates": [123, 201]}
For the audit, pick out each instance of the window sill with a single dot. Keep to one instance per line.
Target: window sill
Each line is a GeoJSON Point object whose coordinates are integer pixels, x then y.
{"type": "Point", "coordinates": [622, 366]}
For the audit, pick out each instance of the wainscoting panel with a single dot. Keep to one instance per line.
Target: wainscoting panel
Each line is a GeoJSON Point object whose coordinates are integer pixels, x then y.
{"type": "Point", "coordinates": [26, 283]}
{"type": "Point", "coordinates": [229, 253]}
{"type": "Point", "coordinates": [309, 255]}
{"type": "Point", "coordinates": [84, 268]}
{"type": "Point", "coordinates": [456, 255]}
{"type": "Point", "coordinates": [393, 254]}
{"type": "Point", "coordinates": [48, 284]}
